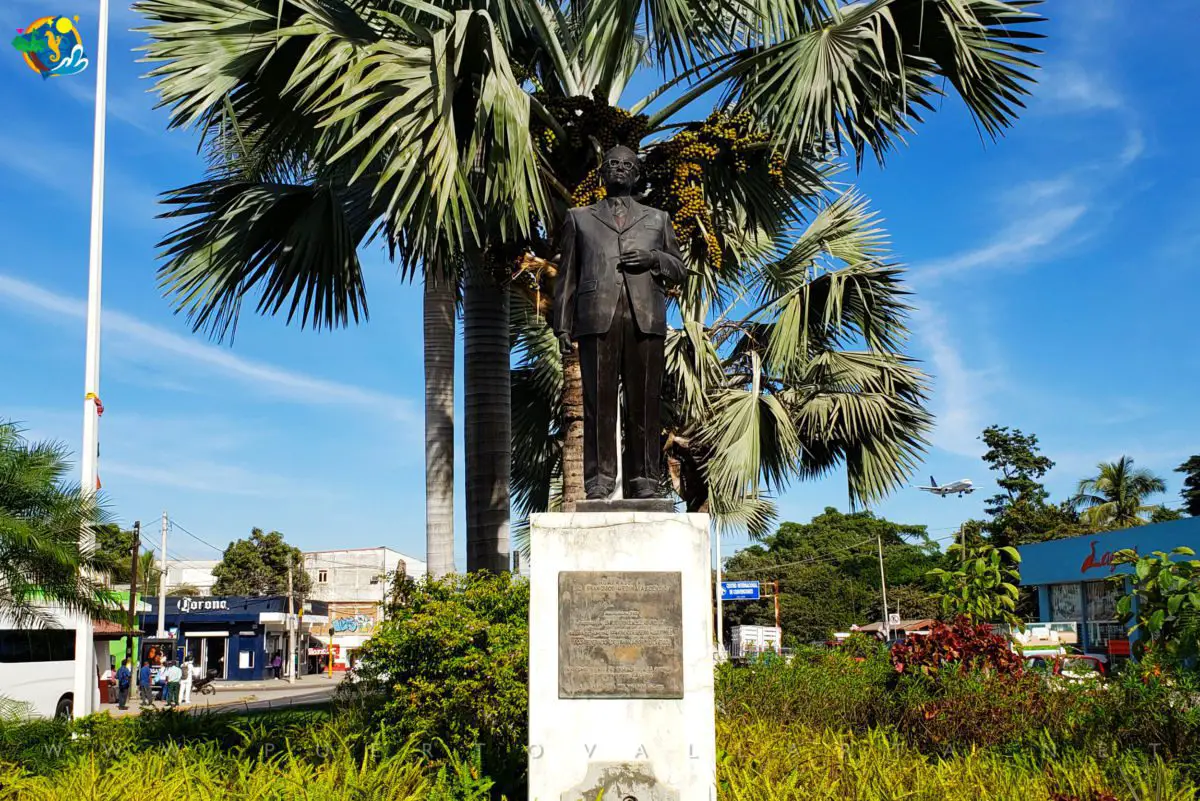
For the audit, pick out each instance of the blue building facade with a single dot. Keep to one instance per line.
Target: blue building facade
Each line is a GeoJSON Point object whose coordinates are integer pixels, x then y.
{"type": "Point", "coordinates": [237, 636]}
{"type": "Point", "coordinates": [1074, 577]}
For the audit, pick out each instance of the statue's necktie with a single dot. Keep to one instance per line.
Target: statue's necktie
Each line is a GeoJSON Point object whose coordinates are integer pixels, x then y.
{"type": "Point", "coordinates": [619, 210]}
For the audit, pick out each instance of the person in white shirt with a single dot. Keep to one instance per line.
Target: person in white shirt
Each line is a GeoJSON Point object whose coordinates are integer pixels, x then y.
{"type": "Point", "coordinates": [173, 676]}
{"type": "Point", "coordinates": [185, 686]}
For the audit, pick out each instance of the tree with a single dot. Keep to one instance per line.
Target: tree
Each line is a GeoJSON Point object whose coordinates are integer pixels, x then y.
{"type": "Point", "coordinates": [1016, 456]}
{"type": "Point", "coordinates": [1167, 589]}
{"type": "Point", "coordinates": [113, 548]}
{"type": "Point", "coordinates": [828, 573]}
{"type": "Point", "coordinates": [259, 566]}
{"type": "Point", "coordinates": [42, 518]}
{"type": "Point", "coordinates": [1165, 514]}
{"type": "Point", "coordinates": [1191, 485]}
{"type": "Point", "coordinates": [439, 305]}
{"type": "Point", "coordinates": [982, 587]}
{"type": "Point", "coordinates": [1115, 497]}
{"type": "Point", "coordinates": [149, 573]}
{"type": "Point", "coordinates": [436, 127]}
{"type": "Point", "coordinates": [185, 589]}
{"type": "Point", "coordinates": [1022, 513]}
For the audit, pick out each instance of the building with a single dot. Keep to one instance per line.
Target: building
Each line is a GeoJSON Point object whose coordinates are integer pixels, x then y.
{"type": "Point", "coordinates": [353, 582]}
{"type": "Point", "coordinates": [237, 636]}
{"type": "Point", "coordinates": [1073, 578]}
{"type": "Point", "coordinates": [197, 573]}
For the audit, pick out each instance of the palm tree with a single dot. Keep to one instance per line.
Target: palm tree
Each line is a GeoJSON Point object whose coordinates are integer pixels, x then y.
{"type": "Point", "coordinates": [455, 129]}
{"type": "Point", "coordinates": [41, 520]}
{"type": "Point", "coordinates": [149, 573]}
{"type": "Point", "coordinates": [439, 307]}
{"type": "Point", "coordinates": [1115, 497]}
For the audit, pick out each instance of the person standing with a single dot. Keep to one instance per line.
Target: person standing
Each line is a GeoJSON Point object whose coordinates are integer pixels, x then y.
{"type": "Point", "coordinates": [145, 689]}
{"type": "Point", "coordinates": [185, 686]}
{"type": "Point", "coordinates": [277, 665]}
{"type": "Point", "coordinates": [173, 676]}
{"type": "Point", "coordinates": [124, 679]}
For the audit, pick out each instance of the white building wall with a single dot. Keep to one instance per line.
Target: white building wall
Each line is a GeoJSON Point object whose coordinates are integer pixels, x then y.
{"type": "Point", "coordinates": [353, 581]}
{"type": "Point", "coordinates": [197, 572]}
{"type": "Point", "coordinates": [356, 574]}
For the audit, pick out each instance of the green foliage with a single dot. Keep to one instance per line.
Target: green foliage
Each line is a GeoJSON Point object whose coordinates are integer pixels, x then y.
{"type": "Point", "coordinates": [211, 757]}
{"type": "Point", "coordinates": [1021, 513]}
{"type": "Point", "coordinates": [451, 664]}
{"type": "Point", "coordinates": [961, 646]}
{"type": "Point", "coordinates": [1167, 589]}
{"type": "Point", "coordinates": [1191, 485]}
{"type": "Point", "coordinates": [1115, 496]}
{"type": "Point", "coordinates": [259, 566]}
{"type": "Point", "coordinates": [828, 572]}
{"type": "Point", "coordinates": [113, 545]}
{"type": "Point", "coordinates": [983, 586]}
{"type": "Point", "coordinates": [1016, 456]}
{"type": "Point", "coordinates": [149, 572]}
{"type": "Point", "coordinates": [762, 761]}
{"type": "Point", "coordinates": [41, 517]}
{"type": "Point", "coordinates": [819, 688]}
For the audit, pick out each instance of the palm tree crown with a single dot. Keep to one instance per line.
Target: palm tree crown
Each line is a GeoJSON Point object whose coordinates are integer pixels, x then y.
{"type": "Point", "coordinates": [1115, 497]}
{"type": "Point", "coordinates": [460, 132]}
{"type": "Point", "coordinates": [42, 518]}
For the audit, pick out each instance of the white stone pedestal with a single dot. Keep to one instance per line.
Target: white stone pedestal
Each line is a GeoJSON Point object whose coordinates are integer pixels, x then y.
{"type": "Point", "coordinates": [621, 748]}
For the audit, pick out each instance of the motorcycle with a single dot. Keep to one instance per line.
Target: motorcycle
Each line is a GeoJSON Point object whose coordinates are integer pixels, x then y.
{"type": "Point", "coordinates": [204, 686]}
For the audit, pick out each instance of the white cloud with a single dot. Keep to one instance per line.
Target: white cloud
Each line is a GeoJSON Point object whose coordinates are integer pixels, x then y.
{"type": "Point", "coordinates": [1070, 87]}
{"type": "Point", "coordinates": [961, 395]}
{"type": "Point", "coordinates": [1049, 211]}
{"type": "Point", "coordinates": [278, 382]}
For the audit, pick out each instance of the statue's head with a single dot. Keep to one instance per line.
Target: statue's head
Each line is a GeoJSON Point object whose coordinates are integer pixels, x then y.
{"type": "Point", "coordinates": [620, 169]}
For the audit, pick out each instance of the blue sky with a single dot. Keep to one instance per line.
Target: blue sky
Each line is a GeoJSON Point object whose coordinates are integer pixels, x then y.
{"type": "Point", "coordinates": [1053, 270]}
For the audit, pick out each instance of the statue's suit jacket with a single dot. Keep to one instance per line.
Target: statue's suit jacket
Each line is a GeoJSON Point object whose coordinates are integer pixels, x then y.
{"type": "Point", "coordinates": [589, 284]}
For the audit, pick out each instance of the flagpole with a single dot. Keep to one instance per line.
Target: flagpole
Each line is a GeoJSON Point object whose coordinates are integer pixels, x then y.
{"type": "Point", "coordinates": [86, 691]}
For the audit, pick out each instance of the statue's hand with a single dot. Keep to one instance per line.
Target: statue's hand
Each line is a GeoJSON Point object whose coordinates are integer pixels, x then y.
{"type": "Point", "coordinates": [565, 345]}
{"type": "Point", "coordinates": [637, 261]}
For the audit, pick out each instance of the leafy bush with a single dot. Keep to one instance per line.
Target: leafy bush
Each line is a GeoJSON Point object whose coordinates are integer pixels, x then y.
{"type": "Point", "coordinates": [761, 761]}
{"type": "Point", "coordinates": [961, 645]}
{"type": "Point", "coordinates": [820, 688]}
{"type": "Point", "coordinates": [451, 665]}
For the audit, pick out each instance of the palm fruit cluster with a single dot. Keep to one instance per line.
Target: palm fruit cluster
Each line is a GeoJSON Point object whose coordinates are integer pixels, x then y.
{"type": "Point", "coordinates": [675, 171]}
{"type": "Point", "coordinates": [591, 126]}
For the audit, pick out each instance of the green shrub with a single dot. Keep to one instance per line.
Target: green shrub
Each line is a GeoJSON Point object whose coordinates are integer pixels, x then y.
{"type": "Point", "coordinates": [820, 688]}
{"type": "Point", "coordinates": [451, 665]}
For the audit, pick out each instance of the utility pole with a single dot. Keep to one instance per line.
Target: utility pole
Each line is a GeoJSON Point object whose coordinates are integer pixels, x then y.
{"type": "Point", "coordinates": [778, 618]}
{"type": "Point", "coordinates": [162, 583]}
{"type": "Point", "coordinates": [133, 571]}
{"type": "Point", "coordinates": [291, 623]}
{"type": "Point", "coordinates": [887, 630]}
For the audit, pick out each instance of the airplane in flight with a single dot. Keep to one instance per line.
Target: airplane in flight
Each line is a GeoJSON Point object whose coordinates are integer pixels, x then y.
{"type": "Point", "coordinates": [960, 488]}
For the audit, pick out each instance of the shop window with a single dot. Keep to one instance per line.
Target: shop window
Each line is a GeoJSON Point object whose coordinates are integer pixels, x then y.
{"type": "Point", "coordinates": [322, 576]}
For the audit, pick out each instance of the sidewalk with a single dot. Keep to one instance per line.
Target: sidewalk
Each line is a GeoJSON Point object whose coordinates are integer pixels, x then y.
{"type": "Point", "coordinates": [311, 681]}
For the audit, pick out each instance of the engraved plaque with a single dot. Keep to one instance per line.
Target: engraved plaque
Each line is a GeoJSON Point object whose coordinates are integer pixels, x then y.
{"type": "Point", "coordinates": [620, 634]}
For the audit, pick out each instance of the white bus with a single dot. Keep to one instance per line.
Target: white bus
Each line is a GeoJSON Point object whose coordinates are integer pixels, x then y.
{"type": "Point", "coordinates": [37, 670]}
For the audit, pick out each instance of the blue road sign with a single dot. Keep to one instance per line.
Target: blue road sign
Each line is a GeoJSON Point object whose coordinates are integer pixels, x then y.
{"type": "Point", "coordinates": [739, 591]}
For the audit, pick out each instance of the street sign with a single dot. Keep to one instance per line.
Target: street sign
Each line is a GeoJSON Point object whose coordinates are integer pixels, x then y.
{"type": "Point", "coordinates": [739, 591]}
{"type": "Point", "coordinates": [893, 619]}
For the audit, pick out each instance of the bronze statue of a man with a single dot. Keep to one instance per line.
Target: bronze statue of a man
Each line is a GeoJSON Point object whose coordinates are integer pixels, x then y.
{"type": "Point", "coordinates": [616, 260]}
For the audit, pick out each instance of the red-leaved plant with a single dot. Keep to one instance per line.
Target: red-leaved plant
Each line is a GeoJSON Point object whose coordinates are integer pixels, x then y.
{"type": "Point", "coordinates": [961, 645]}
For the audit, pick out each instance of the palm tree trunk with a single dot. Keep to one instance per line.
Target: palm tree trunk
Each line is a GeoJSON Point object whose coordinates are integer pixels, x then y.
{"type": "Point", "coordinates": [439, 426]}
{"type": "Point", "coordinates": [488, 408]}
{"type": "Point", "coordinates": [572, 412]}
